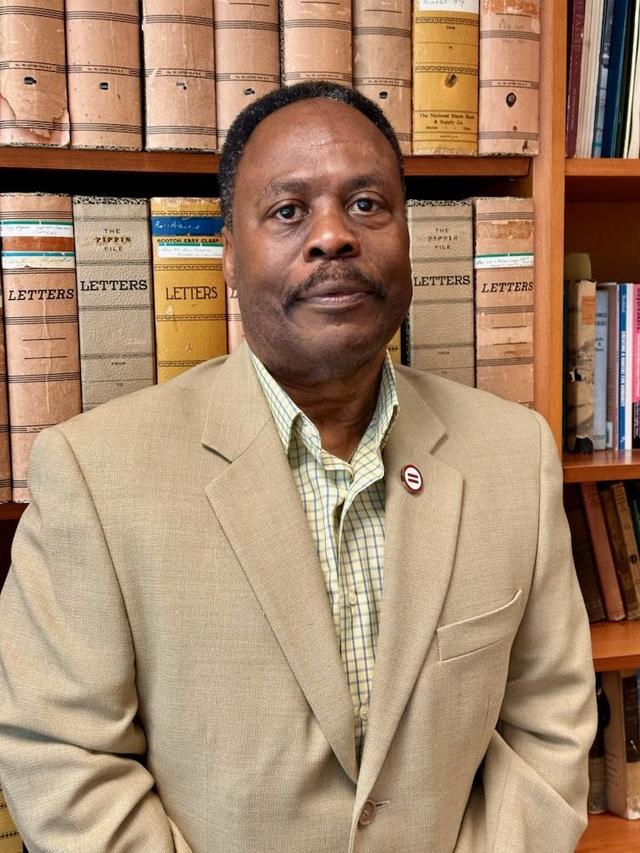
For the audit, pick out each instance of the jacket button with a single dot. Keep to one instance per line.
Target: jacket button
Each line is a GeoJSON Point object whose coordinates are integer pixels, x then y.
{"type": "Point", "coordinates": [368, 813]}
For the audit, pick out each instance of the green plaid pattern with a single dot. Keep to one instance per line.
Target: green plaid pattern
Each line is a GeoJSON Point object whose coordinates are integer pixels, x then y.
{"type": "Point", "coordinates": [344, 505]}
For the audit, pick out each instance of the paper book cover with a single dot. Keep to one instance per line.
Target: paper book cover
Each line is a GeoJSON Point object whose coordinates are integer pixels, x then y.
{"type": "Point", "coordinates": [179, 84]}
{"type": "Point", "coordinates": [504, 289]}
{"type": "Point", "coordinates": [441, 316]}
{"type": "Point", "coordinates": [607, 574]}
{"type": "Point", "coordinates": [33, 81]}
{"type": "Point", "coordinates": [445, 77]}
{"type": "Point", "coordinates": [104, 73]}
{"type": "Point", "coordinates": [583, 557]}
{"type": "Point", "coordinates": [622, 743]}
{"type": "Point", "coordinates": [5, 452]}
{"type": "Point", "coordinates": [247, 46]}
{"type": "Point", "coordinates": [189, 287]}
{"type": "Point", "coordinates": [235, 332]}
{"type": "Point", "coordinates": [41, 320]}
{"type": "Point", "coordinates": [382, 61]}
{"type": "Point", "coordinates": [115, 309]}
{"type": "Point", "coordinates": [316, 41]}
{"type": "Point", "coordinates": [581, 332]}
{"type": "Point", "coordinates": [628, 587]}
{"type": "Point", "coordinates": [10, 841]}
{"type": "Point", "coordinates": [509, 77]}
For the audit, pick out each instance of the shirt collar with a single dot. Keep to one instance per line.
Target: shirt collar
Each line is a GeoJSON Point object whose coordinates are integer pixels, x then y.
{"type": "Point", "coordinates": [290, 419]}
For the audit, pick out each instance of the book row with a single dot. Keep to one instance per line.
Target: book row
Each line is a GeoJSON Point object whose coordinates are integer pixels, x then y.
{"type": "Point", "coordinates": [602, 365]}
{"type": "Point", "coordinates": [104, 296]}
{"type": "Point", "coordinates": [603, 79]}
{"type": "Point", "coordinates": [452, 76]}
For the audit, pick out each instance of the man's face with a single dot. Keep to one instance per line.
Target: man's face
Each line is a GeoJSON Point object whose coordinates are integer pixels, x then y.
{"type": "Point", "coordinates": [319, 250]}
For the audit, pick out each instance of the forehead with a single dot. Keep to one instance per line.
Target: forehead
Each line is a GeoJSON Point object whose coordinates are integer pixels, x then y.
{"type": "Point", "coordinates": [318, 135]}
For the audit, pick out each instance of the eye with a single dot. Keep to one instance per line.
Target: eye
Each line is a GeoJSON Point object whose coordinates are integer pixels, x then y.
{"type": "Point", "coordinates": [287, 212]}
{"type": "Point", "coordinates": [364, 204]}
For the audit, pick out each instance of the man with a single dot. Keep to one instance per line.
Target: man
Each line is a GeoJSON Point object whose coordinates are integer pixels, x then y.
{"type": "Point", "coordinates": [290, 601]}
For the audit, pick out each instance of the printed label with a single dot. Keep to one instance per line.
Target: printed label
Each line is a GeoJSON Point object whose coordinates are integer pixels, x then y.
{"type": "Point", "coordinates": [38, 260]}
{"type": "Point", "coordinates": [471, 6]}
{"type": "Point", "coordinates": [188, 250]}
{"type": "Point", "coordinates": [494, 262]}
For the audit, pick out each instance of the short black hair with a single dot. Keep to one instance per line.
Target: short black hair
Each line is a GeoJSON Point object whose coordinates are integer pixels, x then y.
{"type": "Point", "coordinates": [246, 122]}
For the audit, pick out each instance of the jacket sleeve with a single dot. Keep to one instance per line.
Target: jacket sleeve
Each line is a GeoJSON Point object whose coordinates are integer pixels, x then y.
{"type": "Point", "coordinates": [534, 787]}
{"type": "Point", "coordinates": [71, 747]}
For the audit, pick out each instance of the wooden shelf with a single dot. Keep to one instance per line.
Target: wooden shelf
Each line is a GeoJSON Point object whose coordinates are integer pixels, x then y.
{"type": "Point", "coordinates": [601, 465]}
{"type": "Point", "coordinates": [615, 645]}
{"type": "Point", "coordinates": [602, 179]}
{"type": "Point", "coordinates": [608, 833]}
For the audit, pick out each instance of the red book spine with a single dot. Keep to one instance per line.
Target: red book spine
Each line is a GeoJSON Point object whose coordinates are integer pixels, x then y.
{"type": "Point", "coordinates": [573, 80]}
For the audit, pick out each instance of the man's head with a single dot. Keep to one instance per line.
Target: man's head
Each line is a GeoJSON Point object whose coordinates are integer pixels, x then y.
{"type": "Point", "coordinates": [316, 240]}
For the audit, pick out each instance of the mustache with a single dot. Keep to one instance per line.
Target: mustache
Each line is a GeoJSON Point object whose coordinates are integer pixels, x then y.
{"type": "Point", "coordinates": [342, 272]}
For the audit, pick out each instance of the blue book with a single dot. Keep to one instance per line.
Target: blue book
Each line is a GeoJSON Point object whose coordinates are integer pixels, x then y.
{"type": "Point", "coordinates": [603, 75]}
{"type": "Point", "coordinates": [620, 24]}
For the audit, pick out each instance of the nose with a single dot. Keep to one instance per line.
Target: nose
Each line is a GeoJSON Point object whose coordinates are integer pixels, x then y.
{"type": "Point", "coordinates": [331, 235]}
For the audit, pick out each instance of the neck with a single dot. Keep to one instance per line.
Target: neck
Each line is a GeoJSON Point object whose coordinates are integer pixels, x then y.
{"type": "Point", "coordinates": [340, 408]}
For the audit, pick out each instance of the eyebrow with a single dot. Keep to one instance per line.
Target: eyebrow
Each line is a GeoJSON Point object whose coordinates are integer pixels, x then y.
{"type": "Point", "coordinates": [298, 187]}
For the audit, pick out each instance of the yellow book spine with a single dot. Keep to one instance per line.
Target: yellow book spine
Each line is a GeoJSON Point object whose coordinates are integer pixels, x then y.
{"type": "Point", "coordinates": [10, 841]}
{"type": "Point", "coordinates": [445, 76]}
{"type": "Point", "coordinates": [189, 290]}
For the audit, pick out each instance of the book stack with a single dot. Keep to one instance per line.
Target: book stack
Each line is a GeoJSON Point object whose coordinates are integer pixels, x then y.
{"type": "Point", "coordinates": [452, 76]}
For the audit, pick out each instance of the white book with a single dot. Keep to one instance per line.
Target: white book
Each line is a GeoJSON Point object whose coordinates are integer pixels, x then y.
{"type": "Point", "coordinates": [600, 371]}
{"type": "Point", "coordinates": [590, 69]}
{"type": "Point", "coordinates": [632, 122]}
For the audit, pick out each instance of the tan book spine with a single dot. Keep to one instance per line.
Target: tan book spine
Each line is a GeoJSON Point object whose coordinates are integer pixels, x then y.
{"type": "Point", "coordinates": [104, 73]}
{"type": "Point", "coordinates": [627, 585]}
{"type": "Point", "coordinates": [441, 317]}
{"type": "Point", "coordinates": [33, 82]}
{"type": "Point", "coordinates": [115, 311]}
{"type": "Point", "coordinates": [247, 56]}
{"type": "Point", "coordinates": [382, 61]}
{"type": "Point", "coordinates": [628, 534]}
{"type": "Point", "coordinates": [509, 77]}
{"type": "Point", "coordinates": [581, 333]}
{"type": "Point", "coordinates": [235, 332]}
{"type": "Point", "coordinates": [10, 841]}
{"type": "Point", "coordinates": [622, 749]}
{"type": "Point", "coordinates": [5, 452]}
{"type": "Point", "coordinates": [505, 297]}
{"type": "Point", "coordinates": [316, 41]}
{"type": "Point", "coordinates": [189, 288]}
{"type": "Point", "coordinates": [41, 320]}
{"type": "Point", "coordinates": [445, 77]}
{"type": "Point", "coordinates": [602, 552]}
{"type": "Point", "coordinates": [179, 84]}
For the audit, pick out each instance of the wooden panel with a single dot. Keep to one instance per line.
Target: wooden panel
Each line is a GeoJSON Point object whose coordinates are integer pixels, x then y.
{"type": "Point", "coordinates": [615, 645]}
{"type": "Point", "coordinates": [608, 833]}
{"type": "Point", "coordinates": [610, 232]}
{"type": "Point", "coordinates": [601, 465]}
{"type": "Point", "coordinates": [603, 179]}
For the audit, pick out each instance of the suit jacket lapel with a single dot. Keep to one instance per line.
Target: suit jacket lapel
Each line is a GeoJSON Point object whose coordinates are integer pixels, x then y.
{"type": "Point", "coordinates": [258, 506]}
{"type": "Point", "coordinates": [420, 540]}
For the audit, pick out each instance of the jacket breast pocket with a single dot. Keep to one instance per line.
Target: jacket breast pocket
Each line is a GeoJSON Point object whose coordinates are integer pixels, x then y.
{"type": "Point", "coordinates": [479, 632]}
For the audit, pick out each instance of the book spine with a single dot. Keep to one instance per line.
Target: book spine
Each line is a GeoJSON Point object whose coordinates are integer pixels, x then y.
{"type": "Point", "coordinates": [504, 302]}
{"type": "Point", "coordinates": [316, 41]}
{"type": "Point", "coordinates": [582, 327]}
{"type": "Point", "coordinates": [247, 50]}
{"type": "Point", "coordinates": [5, 452]}
{"type": "Point", "coordinates": [104, 74]}
{"type": "Point", "coordinates": [573, 83]}
{"type": "Point", "coordinates": [603, 73]}
{"type": "Point", "coordinates": [614, 78]}
{"type": "Point", "coordinates": [635, 392]}
{"type": "Point", "coordinates": [10, 841]}
{"type": "Point", "coordinates": [115, 314]}
{"type": "Point", "coordinates": [627, 584]}
{"type": "Point", "coordinates": [445, 77]}
{"type": "Point", "coordinates": [189, 288]}
{"type": "Point", "coordinates": [382, 61]}
{"type": "Point", "coordinates": [33, 82]}
{"type": "Point", "coordinates": [622, 393]}
{"type": "Point", "coordinates": [441, 325]}
{"type": "Point", "coordinates": [600, 371]}
{"type": "Point", "coordinates": [613, 360]}
{"type": "Point", "coordinates": [621, 737]}
{"type": "Point", "coordinates": [41, 320]}
{"type": "Point", "coordinates": [602, 552]}
{"type": "Point", "coordinates": [179, 84]}
{"type": "Point", "coordinates": [628, 533]}
{"type": "Point", "coordinates": [509, 77]}
{"type": "Point", "coordinates": [394, 347]}
{"type": "Point", "coordinates": [235, 332]}
{"type": "Point", "coordinates": [583, 557]}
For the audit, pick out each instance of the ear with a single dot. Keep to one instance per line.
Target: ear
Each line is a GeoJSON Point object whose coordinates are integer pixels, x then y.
{"type": "Point", "coordinates": [228, 257]}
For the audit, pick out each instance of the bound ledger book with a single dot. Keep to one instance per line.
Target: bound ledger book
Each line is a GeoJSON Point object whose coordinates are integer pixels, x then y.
{"type": "Point", "coordinates": [445, 77]}
{"type": "Point", "coordinates": [316, 41]}
{"type": "Point", "coordinates": [504, 297]}
{"type": "Point", "coordinates": [104, 78]}
{"type": "Point", "coordinates": [509, 77]}
{"type": "Point", "coordinates": [247, 56]}
{"type": "Point", "coordinates": [33, 82]}
{"type": "Point", "coordinates": [115, 311]}
{"type": "Point", "coordinates": [189, 288]}
{"type": "Point", "coordinates": [382, 61]}
{"type": "Point", "coordinates": [41, 320]}
{"type": "Point", "coordinates": [441, 318]}
{"type": "Point", "coordinates": [10, 841]}
{"type": "Point", "coordinates": [179, 85]}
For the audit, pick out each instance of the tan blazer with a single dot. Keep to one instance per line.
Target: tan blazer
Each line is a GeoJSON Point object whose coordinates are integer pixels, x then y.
{"type": "Point", "coordinates": [169, 672]}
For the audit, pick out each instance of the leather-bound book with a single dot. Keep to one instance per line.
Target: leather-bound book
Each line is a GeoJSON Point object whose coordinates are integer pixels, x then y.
{"type": "Point", "coordinates": [509, 77]}
{"type": "Point", "coordinates": [504, 297]}
{"type": "Point", "coordinates": [179, 85]}
{"type": "Point", "coordinates": [33, 82]}
{"type": "Point", "coordinates": [235, 332]}
{"type": "Point", "coordinates": [441, 317]}
{"type": "Point", "coordinates": [382, 61]}
{"type": "Point", "coordinates": [189, 288]}
{"type": "Point", "coordinates": [115, 309]}
{"type": "Point", "coordinates": [607, 574]}
{"type": "Point", "coordinates": [316, 41]}
{"type": "Point", "coordinates": [104, 73]}
{"type": "Point", "coordinates": [41, 320]}
{"type": "Point", "coordinates": [583, 557]}
{"type": "Point", "coordinates": [445, 77]}
{"type": "Point", "coordinates": [10, 841]}
{"type": "Point", "coordinates": [247, 56]}
{"type": "Point", "coordinates": [626, 571]}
